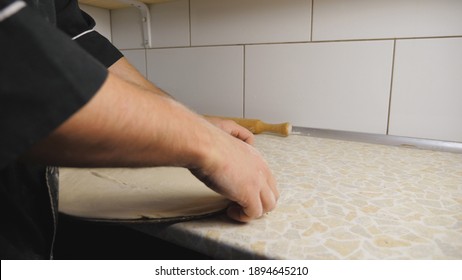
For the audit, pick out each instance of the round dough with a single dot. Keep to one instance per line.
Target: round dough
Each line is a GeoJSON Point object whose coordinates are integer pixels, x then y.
{"type": "Point", "coordinates": [135, 193]}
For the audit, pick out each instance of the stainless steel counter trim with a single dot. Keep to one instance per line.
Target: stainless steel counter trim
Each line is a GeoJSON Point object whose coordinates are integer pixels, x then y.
{"type": "Point", "coordinates": [391, 140]}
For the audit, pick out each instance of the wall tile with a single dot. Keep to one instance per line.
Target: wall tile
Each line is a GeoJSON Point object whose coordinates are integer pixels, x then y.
{"type": "Point", "coordinates": [208, 80]}
{"type": "Point", "coordinates": [102, 18]}
{"type": "Point", "coordinates": [362, 19]}
{"type": "Point", "coordinates": [341, 86]}
{"type": "Point", "coordinates": [215, 22]}
{"type": "Point", "coordinates": [126, 28]}
{"type": "Point", "coordinates": [169, 25]}
{"type": "Point", "coordinates": [137, 58]}
{"type": "Point", "coordinates": [427, 89]}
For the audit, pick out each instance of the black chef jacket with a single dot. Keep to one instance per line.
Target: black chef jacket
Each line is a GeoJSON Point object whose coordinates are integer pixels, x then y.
{"type": "Point", "coordinates": [52, 63]}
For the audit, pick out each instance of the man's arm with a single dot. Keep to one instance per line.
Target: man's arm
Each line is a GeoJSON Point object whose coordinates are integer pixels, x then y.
{"type": "Point", "coordinates": [129, 73]}
{"type": "Point", "coordinates": [145, 129]}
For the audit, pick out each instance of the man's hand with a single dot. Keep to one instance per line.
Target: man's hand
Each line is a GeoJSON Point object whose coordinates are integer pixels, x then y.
{"type": "Point", "coordinates": [236, 170]}
{"type": "Point", "coordinates": [232, 128]}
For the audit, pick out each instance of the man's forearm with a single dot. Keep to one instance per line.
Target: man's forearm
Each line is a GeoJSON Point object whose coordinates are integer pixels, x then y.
{"type": "Point", "coordinates": [120, 129]}
{"type": "Point", "coordinates": [126, 71]}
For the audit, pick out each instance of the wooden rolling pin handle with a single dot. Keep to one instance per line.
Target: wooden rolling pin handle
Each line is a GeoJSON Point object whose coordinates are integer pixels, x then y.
{"type": "Point", "coordinates": [283, 129]}
{"type": "Point", "coordinates": [257, 126]}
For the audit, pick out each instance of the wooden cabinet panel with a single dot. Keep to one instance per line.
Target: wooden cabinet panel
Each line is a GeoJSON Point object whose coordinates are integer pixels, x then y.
{"type": "Point", "coordinates": [114, 4]}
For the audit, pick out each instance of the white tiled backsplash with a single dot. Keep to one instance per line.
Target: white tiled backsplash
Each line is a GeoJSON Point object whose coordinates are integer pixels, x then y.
{"type": "Point", "coordinates": [208, 79]}
{"type": "Point", "coordinates": [378, 66]}
{"type": "Point", "coordinates": [321, 85]}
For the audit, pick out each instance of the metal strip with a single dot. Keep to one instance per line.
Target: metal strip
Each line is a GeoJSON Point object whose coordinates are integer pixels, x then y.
{"type": "Point", "coordinates": [391, 140]}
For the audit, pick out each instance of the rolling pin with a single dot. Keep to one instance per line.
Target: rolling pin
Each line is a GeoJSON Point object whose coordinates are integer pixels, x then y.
{"type": "Point", "coordinates": [257, 126]}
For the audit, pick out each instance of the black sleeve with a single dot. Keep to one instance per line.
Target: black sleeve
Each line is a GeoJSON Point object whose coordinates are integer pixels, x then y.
{"type": "Point", "coordinates": [44, 78]}
{"type": "Point", "coordinates": [79, 26]}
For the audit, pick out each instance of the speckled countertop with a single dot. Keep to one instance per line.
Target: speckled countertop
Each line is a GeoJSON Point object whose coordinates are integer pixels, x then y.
{"type": "Point", "coordinates": [341, 200]}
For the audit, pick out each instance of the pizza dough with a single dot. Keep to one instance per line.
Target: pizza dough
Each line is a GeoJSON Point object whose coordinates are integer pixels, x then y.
{"type": "Point", "coordinates": [135, 194]}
